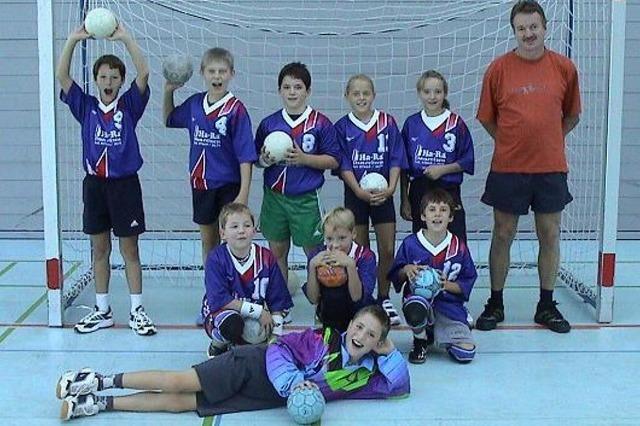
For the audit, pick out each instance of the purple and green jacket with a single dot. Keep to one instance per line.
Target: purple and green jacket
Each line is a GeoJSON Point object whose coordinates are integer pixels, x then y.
{"type": "Point", "coordinates": [320, 356]}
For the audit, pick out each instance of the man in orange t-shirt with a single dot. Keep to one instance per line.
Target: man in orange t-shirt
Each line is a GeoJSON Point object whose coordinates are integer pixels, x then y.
{"type": "Point", "coordinates": [530, 101]}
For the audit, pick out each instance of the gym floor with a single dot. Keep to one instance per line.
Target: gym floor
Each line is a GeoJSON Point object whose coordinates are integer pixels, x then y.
{"type": "Point", "coordinates": [522, 374]}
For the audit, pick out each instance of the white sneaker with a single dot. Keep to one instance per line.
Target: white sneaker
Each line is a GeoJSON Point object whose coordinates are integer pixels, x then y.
{"type": "Point", "coordinates": [94, 321]}
{"type": "Point", "coordinates": [74, 383]}
{"type": "Point", "coordinates": [141, 323]}
{"type": "Point", "coordinates": [388, 307]}
{"type": "Point", "coordinates": [287, 319]}
{"type": "Point", "coordinates": [79, 406]}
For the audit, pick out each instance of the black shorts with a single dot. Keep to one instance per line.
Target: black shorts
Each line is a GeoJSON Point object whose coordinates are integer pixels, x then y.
{"type": "Point", "coordinates": [419, 187]}
{"type": "Point", "coordinates": [236, 381]}
{"type": "Point", "coordinates": [112, 203]}
{"type": "Point", "coordinates": [207, 203]}
{"type": "Point", "coordinates": [514, 193]}
{"type": "Point", "coordinates": [384, 213]}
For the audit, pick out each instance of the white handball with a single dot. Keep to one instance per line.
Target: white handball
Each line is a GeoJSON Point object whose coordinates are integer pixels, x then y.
{"type": "Point", "coordinates": [373, 182]}
{"type": "Point", "coordinates": [253, 333]}
{"type": "Point", "coordinates": [277, 143]}
{"type": "Point", "coordinates": [177, 68]}
{"type": "Point", "coordinates": [100, 22]}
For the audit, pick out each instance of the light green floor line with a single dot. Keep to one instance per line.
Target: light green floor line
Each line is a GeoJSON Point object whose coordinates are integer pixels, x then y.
{"type": "Point", "coordinates": [33, 307]}
{"type": "Point", "coordinates": [207, 421]}
{"type": "Point", "coordinates": [7, 268]}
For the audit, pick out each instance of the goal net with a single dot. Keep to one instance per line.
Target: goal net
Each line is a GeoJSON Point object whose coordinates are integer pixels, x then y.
{"type": "Point", "coordinates": [391, 41]}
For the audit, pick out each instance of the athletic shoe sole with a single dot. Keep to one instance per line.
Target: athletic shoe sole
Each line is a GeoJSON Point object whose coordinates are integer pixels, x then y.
{"type": "Point", "coordinates": [102, 324]}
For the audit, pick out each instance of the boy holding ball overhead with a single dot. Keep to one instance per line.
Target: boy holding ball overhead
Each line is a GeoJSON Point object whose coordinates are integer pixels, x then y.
{"type": "Point", "coordinates": [341, 275]}
{"type": "Point", "coordinates": [222, 150]}
{"type": "Point", "coordinates": [111, 191]}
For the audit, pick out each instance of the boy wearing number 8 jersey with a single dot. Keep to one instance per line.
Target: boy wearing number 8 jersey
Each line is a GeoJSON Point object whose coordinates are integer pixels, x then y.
{"type": "Point", "coordinates": [290, 207]}
{"type": "Point", "coordinates": [242, 281]}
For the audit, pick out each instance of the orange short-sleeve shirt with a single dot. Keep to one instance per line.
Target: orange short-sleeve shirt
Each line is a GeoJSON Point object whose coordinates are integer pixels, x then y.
{"type": "Point", "coordinates": [527, 100]}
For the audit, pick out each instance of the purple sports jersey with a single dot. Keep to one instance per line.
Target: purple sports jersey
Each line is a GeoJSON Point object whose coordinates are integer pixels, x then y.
{"type": "Point", "coordinates": [259, 280]}
{"type": "Point", "coordinates": [314, 134]}
{"type": "Point", "coordinates": [220, 137]}
{"type": "Point", "coordinates": [320, 356]}
{"type": "Point", "coordinates": [365, 265]}
{"type": "Point", "coordinates": [438, 140]}
{"type": "Point", "coordinates": [451, 257]}
{"type": "Point", "coordinates": [370, 147]}
{"type": "Point", "coordinates": [109, 143]}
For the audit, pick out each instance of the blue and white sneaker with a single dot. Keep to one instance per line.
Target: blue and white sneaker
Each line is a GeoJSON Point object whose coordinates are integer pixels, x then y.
{"type": "Point", "coordinates": [141, 323]}
{"type": "Point", "coordinates": [94, 321]}
{"type": "Point", "coordinates": [80, 406]}
{"type": "Point", "coordinates": [74, 383]}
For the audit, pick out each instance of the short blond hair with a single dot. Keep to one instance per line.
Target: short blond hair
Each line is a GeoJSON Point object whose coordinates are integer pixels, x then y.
{"type": "Point", "coordinates": [216, 54]}
{"type": "Point", "coordinates": [232, 208]}
{"type": "Point", "coordinates": [340, 217]}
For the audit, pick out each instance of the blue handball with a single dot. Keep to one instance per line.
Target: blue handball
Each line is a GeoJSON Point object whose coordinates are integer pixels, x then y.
{"type": "Point", "coordinates": [427, 283]}
{"type": "Point", "coordinates": [305, 405]}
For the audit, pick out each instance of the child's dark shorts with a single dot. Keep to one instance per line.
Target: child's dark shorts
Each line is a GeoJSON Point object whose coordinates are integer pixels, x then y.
{"type": "Point", "coordinates": [112, 203]}
{"type": "Point", "coordinates": [236, 381]}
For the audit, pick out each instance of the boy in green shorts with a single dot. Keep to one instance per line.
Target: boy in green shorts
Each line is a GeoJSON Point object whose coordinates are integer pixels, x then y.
{"type": "Point", "coordinates": [290, 207]}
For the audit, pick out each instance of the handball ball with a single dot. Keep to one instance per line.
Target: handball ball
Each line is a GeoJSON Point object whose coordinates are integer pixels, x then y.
{"type": "Point", "coordinates": [373, 182]}
{"type": "Point", "coordinates": [277, 143]}
{"type": "Point", "coordinates": [177, 68]}
{"type": "Point", "coordinates": [427, 283]}
{"type": "Point", "coordinates": [253, 332]}
{"type": "Point", "coordinates": [331, 276]}
{"type": "Point", "coordinates": [305, 405]}
{"type": "Point", "coordinates": [100, 22]}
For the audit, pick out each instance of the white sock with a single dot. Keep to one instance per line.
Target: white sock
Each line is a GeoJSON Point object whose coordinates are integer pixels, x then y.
{"type": "Point", "coordinates": [136, 300]}
{"type": "Point", "coordinates": [102, 301]}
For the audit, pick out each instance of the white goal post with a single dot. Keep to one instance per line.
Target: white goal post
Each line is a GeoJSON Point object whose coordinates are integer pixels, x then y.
{"type": "Point", "coordinates": [393, 41]}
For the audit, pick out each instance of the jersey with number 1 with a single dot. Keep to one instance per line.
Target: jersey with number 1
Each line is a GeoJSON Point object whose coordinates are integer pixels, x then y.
{"type": "Point", "coordinates": [221, 139]}
{"type": "Point", "coordinates": [437, 141]}
{"type": "Point", "coordinates": [258, 280]}
{"type": "Point", "coordinates": [451, 257]}
{"type": "Point", "coordinates": [313, 132]}
{"type": "Point", "coordinates": [375, 146]}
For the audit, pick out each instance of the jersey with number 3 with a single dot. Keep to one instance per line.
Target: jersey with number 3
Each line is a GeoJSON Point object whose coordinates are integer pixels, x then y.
{"type": "Point", "coordinates": [437, 141]}
{"type": "Point", "coordinates": [314, 134]}
{"type": "Point", "coordinates": [259, 280]}
{"type": "Point", "coordinates": [221, 139]}
{"type": "Point", "coordinates": [451, 257]}
{"type": "Point", "coordinates": [375, 146]}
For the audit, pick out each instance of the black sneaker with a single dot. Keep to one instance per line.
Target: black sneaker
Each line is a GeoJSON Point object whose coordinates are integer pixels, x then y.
{"type": "Point", "coordinates": [418, 354]}
{"type": "Point", "coordinates": [490, 317]}
{"type": "Point", "coordinates": [549, 316]}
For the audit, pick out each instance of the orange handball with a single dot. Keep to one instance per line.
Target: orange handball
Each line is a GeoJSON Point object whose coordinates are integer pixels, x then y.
{"type": "Point", "coordinates": [331, 276]}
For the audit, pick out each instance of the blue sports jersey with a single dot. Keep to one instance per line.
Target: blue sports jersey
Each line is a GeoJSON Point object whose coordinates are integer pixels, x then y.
{"type": "Point", "coordinates": [314, 134]}
{"type": "Point", "coordinates": [365, 265]}
{"type": "Point", "coordinates": [259, 280]}
{"type": "Point", "coordinates": [109, 143]}
{"type": "Point", "coordinates": [450, 257]}
{"type": "Point", "coordinates": [220, 136]}
{"type": "Point", "coordinates": [445, 142]}
{"type": "Point", "coordinates": [370, 147]}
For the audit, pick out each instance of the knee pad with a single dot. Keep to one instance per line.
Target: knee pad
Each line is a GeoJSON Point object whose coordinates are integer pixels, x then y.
{"type": "Point", "coordinates": [225, 326]}
{"type": "Point", "coordinates": [416, 311]}
{"type": "Point", "coordinates": [460, 354]}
